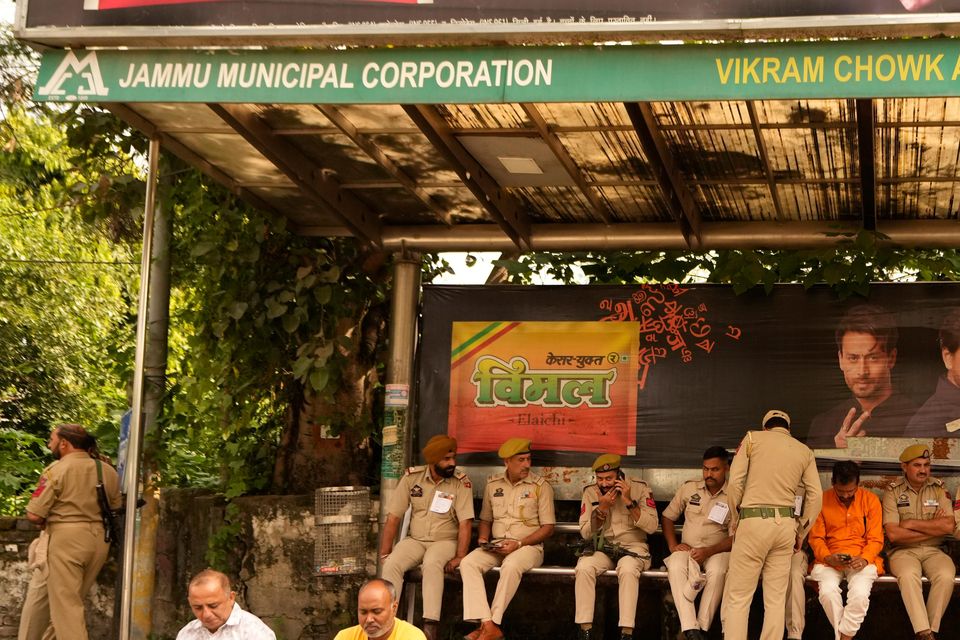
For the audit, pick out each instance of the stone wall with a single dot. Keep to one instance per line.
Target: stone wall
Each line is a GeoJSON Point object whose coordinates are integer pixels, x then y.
{"type": "Point", "coordinates": [16, 534]}
{"type": "Point", "coordinates": [271, 562]}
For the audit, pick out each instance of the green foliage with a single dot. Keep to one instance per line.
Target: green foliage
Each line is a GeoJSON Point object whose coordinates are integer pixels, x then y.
{"type": "Point", "coordinates": [21, 460]}
{"type": "Point", "coordinates": [65, 301]}
{"type": "Point", "coordinates": [222, 546]}
{"type": "Point", "coordinates": [848, 268]}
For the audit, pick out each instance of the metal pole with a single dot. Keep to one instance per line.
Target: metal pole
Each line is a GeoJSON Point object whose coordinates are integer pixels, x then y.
{"type": "Point", "coordinates": [397, 426]}
{"type": "Point", "coordinates": [132, 469]}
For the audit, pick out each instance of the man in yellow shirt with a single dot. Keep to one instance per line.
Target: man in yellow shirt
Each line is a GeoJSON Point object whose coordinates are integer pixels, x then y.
{"type": "Point", "coordinates": [377, 614]}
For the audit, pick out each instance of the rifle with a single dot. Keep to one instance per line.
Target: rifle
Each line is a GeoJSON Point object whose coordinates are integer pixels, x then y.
{"type": "Point", "coordinates": [596, 542]}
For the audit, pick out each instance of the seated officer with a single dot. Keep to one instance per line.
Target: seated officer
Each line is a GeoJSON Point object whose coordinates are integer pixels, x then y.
{"type": "Point", "coordinates": [516, 517]}
{"type": "Point", "coordinates": [700, 560]}
{"type": "Point", "coordinates": [441, 521]}
{"type": "Point", "coordinates": [917, 514]}
{"type": "Point", "coordinates": [617, 513]}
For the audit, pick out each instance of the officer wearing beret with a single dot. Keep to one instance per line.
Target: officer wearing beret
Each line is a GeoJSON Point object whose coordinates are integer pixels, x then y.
{"type": "Point", "coordinates": [917, 514]}
{"type": "Point", "coordinates": [622, 510]}
{"type": "Point", "coordinates": [766, 470]}
{"type": "Point", "coordinates": [516, 517]}
{"type": "Point", "coordinates": [441, 500]}
{"type": "Point", "coordinates": [697, 565]}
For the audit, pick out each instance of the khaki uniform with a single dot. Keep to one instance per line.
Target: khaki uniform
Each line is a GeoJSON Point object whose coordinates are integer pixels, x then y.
{"type": "Point", "coordinates": [516, 511]}
{"type": "Point", "coordinates": [619, 528]}
{"type": "Point", "coordinates": [66, 496]}
{"type": "Point", "coordinates": [909, 561]}
{"type": "Point", "coordinates": [764, 475]}
{"type": "Point", "coordinates": [795, 615]}
{"type": "Point", "coordinates": [437, 509]}
{"type": "Point", "coordinates": [700, 513]}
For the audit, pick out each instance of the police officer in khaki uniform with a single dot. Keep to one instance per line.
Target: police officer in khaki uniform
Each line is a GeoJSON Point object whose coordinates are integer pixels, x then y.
{"type": "Point", "coordinates": [516, 517]}
{"type": "Point", "coordinates": [766, 470]}
{"type": "Point", "coordinates": [441, 500]}
{"type": "Point", "coordinates": [698, 563]}
{"type": "Point", "coordinates": [622, 510]}
{"type": "Point", "coordinates": [917, 514]}
{"type": "Point", "coordinates": [65, 504]}
{"type": "Point", "coordinates": [795, 614]}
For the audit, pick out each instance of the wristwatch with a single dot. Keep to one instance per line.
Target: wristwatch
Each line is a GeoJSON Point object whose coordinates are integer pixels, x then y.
{"type": "Point", "coordinates": [633, 504]}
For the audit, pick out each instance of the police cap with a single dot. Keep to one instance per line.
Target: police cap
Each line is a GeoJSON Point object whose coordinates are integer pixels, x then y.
{"type": "Point", "coordinates": [915, 451]}
{"type": "Point", "coordinates": [513, 447]}
{"type": "Point", "coordinates": [607, 462]}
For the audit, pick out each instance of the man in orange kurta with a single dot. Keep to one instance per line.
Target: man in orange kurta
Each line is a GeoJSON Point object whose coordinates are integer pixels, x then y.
{"type": "Point", "coordinates": [846, 540]}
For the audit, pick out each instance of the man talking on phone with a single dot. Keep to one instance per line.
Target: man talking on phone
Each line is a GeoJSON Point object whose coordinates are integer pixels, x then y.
{"type": "Point", "coordinates": [846, 539]}
{"type": "Point", "coordinates": [616, 514]}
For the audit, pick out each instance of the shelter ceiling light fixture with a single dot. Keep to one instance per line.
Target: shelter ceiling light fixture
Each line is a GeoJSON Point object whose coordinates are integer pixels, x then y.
{"type": "Point", "coordinates": [520, 165]}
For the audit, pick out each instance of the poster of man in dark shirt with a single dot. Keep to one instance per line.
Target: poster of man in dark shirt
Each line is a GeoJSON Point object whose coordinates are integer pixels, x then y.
{"type": "Point", "coordinates": [867, 352]}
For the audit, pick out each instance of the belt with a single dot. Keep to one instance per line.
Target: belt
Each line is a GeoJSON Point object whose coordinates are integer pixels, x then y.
{"type": "Point", "coordinates": [766, 512]}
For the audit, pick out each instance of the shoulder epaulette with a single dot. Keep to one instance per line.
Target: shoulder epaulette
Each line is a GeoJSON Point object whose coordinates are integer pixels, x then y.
{"type": "Point", "coordinates": [412, 470]}
{"type": "Point", "coordinates": [937, 481]}
{"type": "Point", "coordinates": [540, 480]}
{"type": "Point", "coordinates": [589, 486]}
{"type": "Point", "coordinates": [459, 474]}
{"type": "Point", "coordinates": [896, 483]}
{"type": "Point", "coordinates": [496, 476]}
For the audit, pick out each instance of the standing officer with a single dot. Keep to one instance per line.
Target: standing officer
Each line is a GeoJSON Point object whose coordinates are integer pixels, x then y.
{"type": "Point", "coordinates": [516, 517]}
{"type": "Point", "coordinates": [766, 470]}
{"type": "Point", "coordinates": [65, 504]}
{"type": "Point", "coordinates": [620, 512]}
{"type": "Point", "coordinates": [917, 514]}
{"type": "Point", "coordinates": [441, 521]}
{"type": "Point", "coordinates": [700, 560]}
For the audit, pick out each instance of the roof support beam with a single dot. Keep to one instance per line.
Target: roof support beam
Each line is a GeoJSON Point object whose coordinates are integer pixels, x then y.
{"type": "Point", "coordinates": [765, 159]}
{"type": "Point", "coordinates": [560, 152]}
{"type": "Point", "coordinates": [313, 180]}
{"type": "Point", "coordinates": [377, 154]}
{"type": "Point", "coordinates": [504, 208]}
{"type": "Point", "coordinates": [672, 184]}
{"type": "Point", "coordinates": [866, 139]}
{"type": "Point", "coordinates": [666, 236]}
{"type": "Point", "coordinates": [183, 152]}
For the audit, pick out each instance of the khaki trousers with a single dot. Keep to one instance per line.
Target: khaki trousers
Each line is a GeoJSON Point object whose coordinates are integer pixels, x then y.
{"type": "Point", "coordinates": [512, 568]}
{"type": "Point", "coordinates": [908, 565]}
{"type": "Point", "coordinates": [35, 615]}
{"type": "Point", "coordinates": [77, 553]}
{"type": "Point", "coordinates": [628, 580]}
{"type": "Point", "coordinates": [795, 615]}
{"type": "Point", "coordinates": [409, 553]}
{"type": "Point", "coordinates": [715, 573]}
{"type": "Point", "coordinates": [762, 546]}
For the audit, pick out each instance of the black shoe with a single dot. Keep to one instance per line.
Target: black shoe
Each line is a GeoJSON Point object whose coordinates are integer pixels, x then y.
{"type": "Point", "coordinates": [626, 636]}
{"type": "Point", "coordinates": [584, 634]}
{"type": "Point", "coordinates": [694, 634]}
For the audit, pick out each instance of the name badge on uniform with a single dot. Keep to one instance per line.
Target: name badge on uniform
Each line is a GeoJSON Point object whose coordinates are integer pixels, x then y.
{"type": "Point", "coordinates": [442, 502]}
{"type": "Point", "coordinates": [719, 512]}
{"type": "Point", "coordinates": [931, 502]}
{"type": "Point", "coordinates": [797, 505]}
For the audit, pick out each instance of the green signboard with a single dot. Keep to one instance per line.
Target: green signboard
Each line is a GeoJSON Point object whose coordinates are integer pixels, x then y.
{"type": "Point", "coordinates": [882, 68]}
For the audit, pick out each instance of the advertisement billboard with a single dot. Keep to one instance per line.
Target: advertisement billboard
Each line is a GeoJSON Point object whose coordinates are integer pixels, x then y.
{"type": "Point", "coordinates": [531, 21]}
{"type": "Point", "coordinates": [660, 373]}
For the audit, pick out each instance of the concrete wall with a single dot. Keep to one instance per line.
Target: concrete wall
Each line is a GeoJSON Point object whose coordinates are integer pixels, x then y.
{"type": "Point", "coordinates": [16, 534]}
{"type": "Point", "coordinates": [271, 562]}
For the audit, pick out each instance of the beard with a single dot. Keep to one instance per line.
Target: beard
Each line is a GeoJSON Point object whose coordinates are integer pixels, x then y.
{"type": "Point", "coordinates": [445, 472]}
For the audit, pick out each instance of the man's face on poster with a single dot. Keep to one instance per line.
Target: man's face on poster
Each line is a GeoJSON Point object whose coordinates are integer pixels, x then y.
{"type": "Point", "coordinates": [866, 365]}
